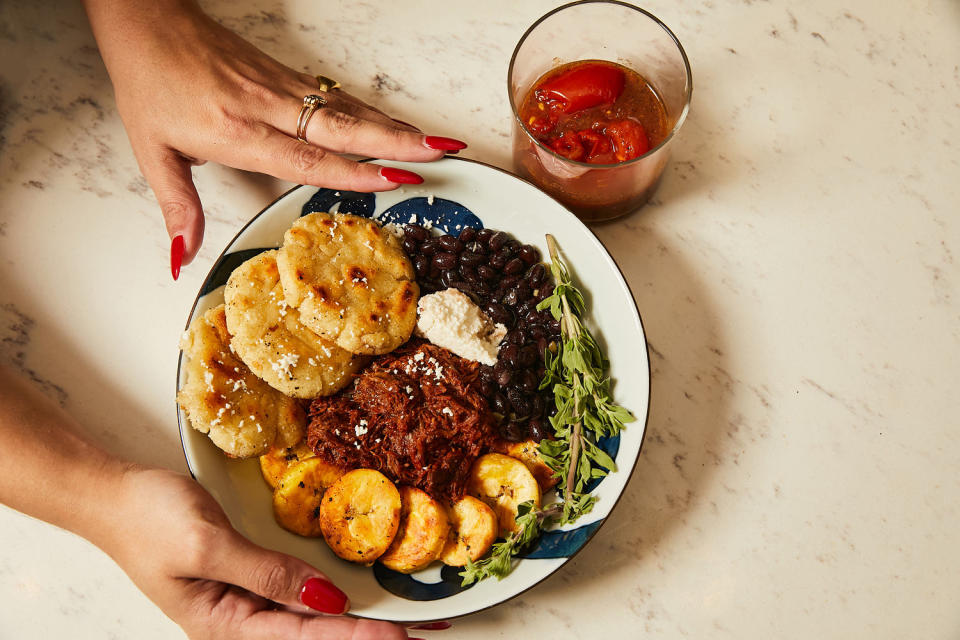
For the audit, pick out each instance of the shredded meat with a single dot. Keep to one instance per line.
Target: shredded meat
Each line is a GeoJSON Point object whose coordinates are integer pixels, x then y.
{"type": "Point", "coordinates": [416, 414]}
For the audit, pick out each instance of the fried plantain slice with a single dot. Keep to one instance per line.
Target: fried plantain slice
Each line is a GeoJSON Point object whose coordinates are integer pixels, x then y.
{"type": "Point", "coordinates": [297, 498]}
{"type": "Point", "coordinates": [360, 515]}
{"type": "Point", "coordinates": [503, 483]}
{"type": "Point", "coordinates": [526, 452]}
{"type": "Point", "coordinates": [421, 535]}
{"type": "Point", "coordinates": [473, 528]}
{"type": "Point", "coordinates": [279, 459]}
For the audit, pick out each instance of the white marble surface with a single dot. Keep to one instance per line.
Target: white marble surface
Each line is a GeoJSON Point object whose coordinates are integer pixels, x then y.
{"type": "Point", "coordinates": [796, 275]}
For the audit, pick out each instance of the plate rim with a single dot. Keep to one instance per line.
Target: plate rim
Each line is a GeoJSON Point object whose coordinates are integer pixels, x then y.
{"type": "Point", "coordinates": [646, 347]}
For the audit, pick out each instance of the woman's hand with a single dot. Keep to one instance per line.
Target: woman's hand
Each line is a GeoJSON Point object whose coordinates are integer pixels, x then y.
{"type": "Point", "coordinates": [189, 90]}
{"type": "Point", "coordinates": [166, 532]}
{"type": "Point", "coordinates": [176, 544]}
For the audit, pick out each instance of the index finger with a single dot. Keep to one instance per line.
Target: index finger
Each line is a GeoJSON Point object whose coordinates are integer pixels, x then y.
{"type": "Point", "coordinates": [342, 126]}
{"type": "Point", "coordinates": [286, 158]}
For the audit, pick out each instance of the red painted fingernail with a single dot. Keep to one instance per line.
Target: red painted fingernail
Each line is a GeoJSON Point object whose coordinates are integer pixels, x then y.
{"type": "Point", "coordinates": [323, 596]}
{"type": "Point", "coordinates": [400, 176]}
{"type": "Point", "coordinates": [444, 144]}
{"type": "Point", "coordinates": [433, 626]}
{"type": "Point", "coordinates": [176, 256]}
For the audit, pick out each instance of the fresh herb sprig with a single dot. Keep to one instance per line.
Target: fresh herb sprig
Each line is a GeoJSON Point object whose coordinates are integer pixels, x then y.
{"type": "Point", "coordinates": [581, 387]}
{"type": "Point", "coordinates": [585, 412]}
{"type": "Point", "coordinates": [530, 523]}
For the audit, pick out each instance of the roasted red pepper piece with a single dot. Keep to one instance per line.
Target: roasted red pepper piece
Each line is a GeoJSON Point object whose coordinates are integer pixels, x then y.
{"type": "Point", "coordinates": [542, 126]}
{"type": "Point", "coordinates": [629, 139]}
{"type": "Point", "coordinates": [597, 146]}
{"type": "Point", "coordinates": [582, 87]}
{"type": "Point", "coordinates": [569, 146]}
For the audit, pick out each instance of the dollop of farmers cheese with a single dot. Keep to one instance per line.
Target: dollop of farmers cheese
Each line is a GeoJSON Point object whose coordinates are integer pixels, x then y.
{"type": "Point", "coordinates": [451, 320]}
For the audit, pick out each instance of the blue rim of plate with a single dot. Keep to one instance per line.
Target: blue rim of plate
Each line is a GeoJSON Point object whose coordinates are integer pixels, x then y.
{"type": "Point", "coordinates": [588, 531]}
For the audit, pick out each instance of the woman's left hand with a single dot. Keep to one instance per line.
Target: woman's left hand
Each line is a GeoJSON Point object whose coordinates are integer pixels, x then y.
{"type": "Point", "coordinates": [165, 531]}
{"type": "Point", "coordinates": [176, 544]}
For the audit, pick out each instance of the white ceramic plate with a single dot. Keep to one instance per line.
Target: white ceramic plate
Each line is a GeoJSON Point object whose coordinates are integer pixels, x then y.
{"type": "Point", "coordinates": [455, 190]}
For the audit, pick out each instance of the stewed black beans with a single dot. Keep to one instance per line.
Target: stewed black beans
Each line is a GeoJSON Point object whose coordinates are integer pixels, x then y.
{"type": "Point", "coordinates": [506, 279]}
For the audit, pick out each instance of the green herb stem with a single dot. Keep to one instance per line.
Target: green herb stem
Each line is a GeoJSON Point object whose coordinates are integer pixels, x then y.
{"type": "Point", "coordinates": [572, 466]}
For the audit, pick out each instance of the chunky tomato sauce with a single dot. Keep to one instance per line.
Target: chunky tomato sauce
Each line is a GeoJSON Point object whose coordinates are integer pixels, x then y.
{"type": "Point", "coordinates": [417, 414]}
{"type": "Point", "coordinates": [595, 112]}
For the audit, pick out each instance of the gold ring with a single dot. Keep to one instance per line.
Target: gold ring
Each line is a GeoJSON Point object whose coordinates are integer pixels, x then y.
{"type": "Point", "coordinates": [311, 103]}
{"type": "Point", "coordinates": [327, 84]}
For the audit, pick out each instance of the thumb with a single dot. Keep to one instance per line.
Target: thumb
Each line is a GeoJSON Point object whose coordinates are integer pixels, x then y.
{"type": "Point", "coordinates": [275, 576]}
{"type": "Point", "coordinates": [171, 179]}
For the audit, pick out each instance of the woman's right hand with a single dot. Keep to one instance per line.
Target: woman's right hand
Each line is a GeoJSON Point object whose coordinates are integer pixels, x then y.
{"type": "Point", "coordinates": [190, 90]}
{"type": "Point", "coordinates": [174, 541]}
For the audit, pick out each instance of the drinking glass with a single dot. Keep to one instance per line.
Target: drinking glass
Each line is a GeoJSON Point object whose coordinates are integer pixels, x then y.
{"type": "Point", "coordinates": [599, 30]}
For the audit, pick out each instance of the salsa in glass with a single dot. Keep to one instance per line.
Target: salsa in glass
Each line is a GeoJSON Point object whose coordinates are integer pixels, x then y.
{"type": "Point", "coordinates": [595, 112]}
{"type": "Point", "coordinates": [590, 131]}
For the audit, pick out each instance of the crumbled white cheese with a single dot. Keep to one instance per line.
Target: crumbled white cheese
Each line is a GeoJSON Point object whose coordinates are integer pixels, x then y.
{"type": "Point", "coordinates": [282, 365]}
{"type": "Point", "coordinates": [449, 319]}
{"type": "Point", "coordinates": [394, 229]}
{"type": "Point", "coordinates": [447, 411]}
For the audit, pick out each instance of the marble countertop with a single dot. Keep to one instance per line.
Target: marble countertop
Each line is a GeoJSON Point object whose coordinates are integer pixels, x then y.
{"type": "Point", "coordinates": [796, 272]}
